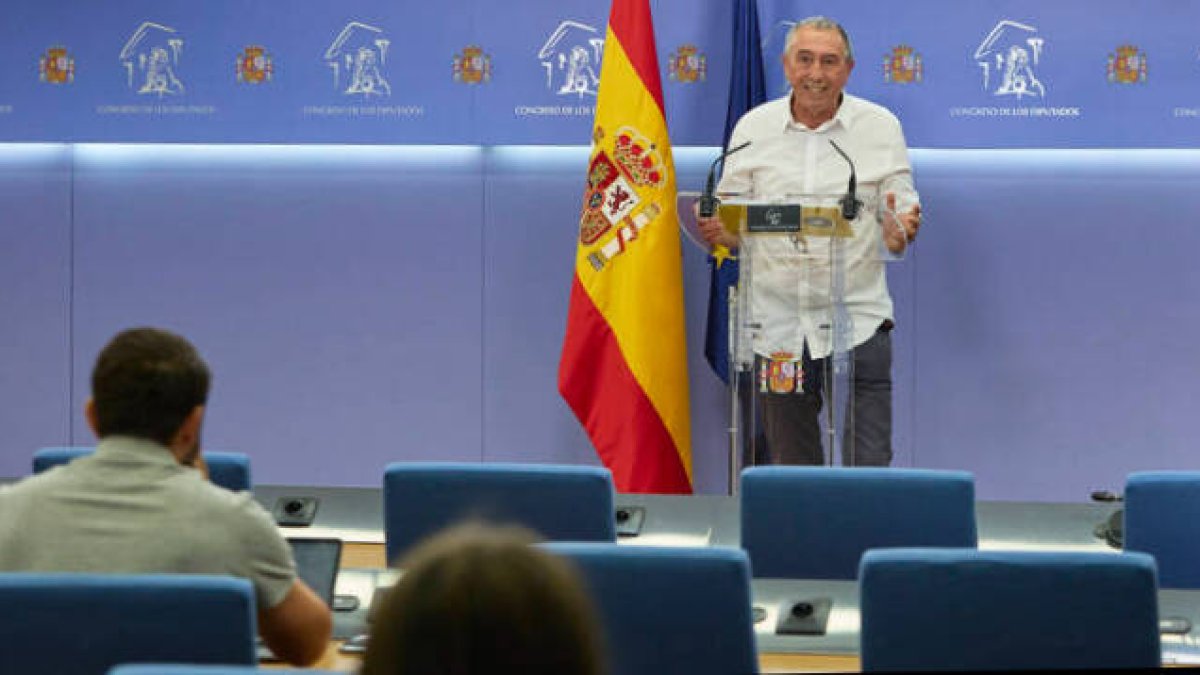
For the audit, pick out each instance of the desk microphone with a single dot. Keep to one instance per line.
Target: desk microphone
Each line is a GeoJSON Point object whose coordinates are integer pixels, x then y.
{"type": "Point", "coordinates": [850, 203]}
{"type": "Point", "coordinates": [709, 201]}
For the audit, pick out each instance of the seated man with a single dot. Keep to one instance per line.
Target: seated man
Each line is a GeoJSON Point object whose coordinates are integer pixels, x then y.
{"type": "Point", "coordinates": [140, 503]}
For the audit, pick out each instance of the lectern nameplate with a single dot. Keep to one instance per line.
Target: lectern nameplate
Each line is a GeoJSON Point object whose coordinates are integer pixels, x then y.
{"type": "Point", "coordinates": [807, 221]}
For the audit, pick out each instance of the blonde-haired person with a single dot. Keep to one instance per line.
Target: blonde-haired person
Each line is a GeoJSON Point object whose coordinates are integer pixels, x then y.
{"type": "Point", "coordinates": [479, 599]}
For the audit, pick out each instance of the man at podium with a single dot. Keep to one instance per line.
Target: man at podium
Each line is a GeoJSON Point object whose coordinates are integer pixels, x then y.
{"type": "Point", "coordinates": [811, 142]}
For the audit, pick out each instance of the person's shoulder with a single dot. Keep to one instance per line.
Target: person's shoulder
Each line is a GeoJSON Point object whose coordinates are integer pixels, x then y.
{"type": "Point", "coordinates": [11, 491]}
{"type": "Point", "coordinates": [32, 496]}
{"type": "Point", "coordinates": [35, 484]}
{"type": "Point", "coordinates": [765, 115]}
{"type": "Point", "coordinates": [771, 108]}
{"type": "Point", "coordinates": [216, 502]}
{"type": "Point", "coordinates": [863, 109]}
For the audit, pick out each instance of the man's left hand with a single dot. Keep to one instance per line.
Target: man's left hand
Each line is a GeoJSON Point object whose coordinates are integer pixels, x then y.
{"type": "Point", "coordinates": [200, 465]}
{"type": "Point", "coordinates": [900, 229]}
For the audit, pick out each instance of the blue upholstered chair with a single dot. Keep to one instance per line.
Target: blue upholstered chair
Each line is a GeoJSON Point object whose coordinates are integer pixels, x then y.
{"type": "Point", "coordinates": [84, 624]}
{"type": "Point", "coordinates": [961, 609]}
{"type": "Point", "coordinates": [670, 610]}
{"type": "Point", "coordinates": [1162, 518]}
{"type": "Point", "coordinates": [190, 669]}
{"type": "Point", "coordinates": [230, 470]}
{"type": "Point", "coordinates": [561, 503]}
{"type": "Point", "coordinates": [815, 522]}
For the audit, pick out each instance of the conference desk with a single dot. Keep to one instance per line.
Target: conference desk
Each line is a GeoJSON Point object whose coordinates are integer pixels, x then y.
{"type": "Point", "coordinates": [834, 651]}
{"type": "Point", "coordinates": [355, 516]}
{"type": "Point", "coordinates": [363, 572]}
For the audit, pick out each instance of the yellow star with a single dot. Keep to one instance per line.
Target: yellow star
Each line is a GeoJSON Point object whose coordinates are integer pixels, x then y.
{"type": "Point", "coordinates": [721, 254]}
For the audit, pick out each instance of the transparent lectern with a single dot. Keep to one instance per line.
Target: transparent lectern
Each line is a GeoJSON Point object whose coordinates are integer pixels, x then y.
{"type": "Point", "coordinates": [802, 260]}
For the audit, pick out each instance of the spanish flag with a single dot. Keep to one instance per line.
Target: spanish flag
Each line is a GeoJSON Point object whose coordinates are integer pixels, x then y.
{"type": "Point", "coordinates": [624, 361]}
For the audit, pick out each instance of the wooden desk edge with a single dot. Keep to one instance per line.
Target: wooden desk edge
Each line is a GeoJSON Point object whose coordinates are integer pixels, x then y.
{"type": "Point", "coordinates": [332, 659]}
{"type": "Point", "coordinates": [363, 556]}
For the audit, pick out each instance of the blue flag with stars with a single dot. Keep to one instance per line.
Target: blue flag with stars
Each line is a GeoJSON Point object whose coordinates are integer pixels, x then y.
{"type": "Point", "coordinates": [747, 88]}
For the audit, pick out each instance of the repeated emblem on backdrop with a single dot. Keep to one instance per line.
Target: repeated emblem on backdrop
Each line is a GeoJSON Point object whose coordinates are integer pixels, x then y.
{"type": "Point", "coordinates": [357, 58]}
{"type": "Point", "coordinates": [571, 57]}
{"type": "Point", "coordinates": [254, 65]}
{"type": "Point", "coordinates": [1009, 58]}
{"type": "Point", "coordinates": [151, 58]}
{"type": "Point", "coordinates": [687, 64]}
{"type": "Point", "coordinates": [472, 65]}
{"type": "Point", "coordinates": [1127, 65]}
{"type": "Point", "coordinates": [903, 66]}
{"type": "Point", "coordinates": [57, 66]}
{"type": "Point", "coordinates": [615, 205]}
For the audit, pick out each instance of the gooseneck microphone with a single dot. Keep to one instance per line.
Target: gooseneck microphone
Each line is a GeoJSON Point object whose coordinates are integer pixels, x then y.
{"type": "Point", "coordinates": [849, 201]}
{"type": "Point", "coordinates": [708, 200]}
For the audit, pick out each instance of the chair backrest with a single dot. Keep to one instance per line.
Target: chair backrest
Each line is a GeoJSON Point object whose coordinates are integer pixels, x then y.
{"type": "Point", "coordinates": [559, 502]}
{"type": "Point", "coordinates": [963, 609]}
{"type": "Point", "coordinates": [670, 610]}
{"type": "Point", "coordinates": [86, 623]}
{"type": "Point", "coordinates": [1162, 518]}
{"type": "Point", "coordinates": [816, 522]}
{"type": "Point", "coordinates": [230, 470]}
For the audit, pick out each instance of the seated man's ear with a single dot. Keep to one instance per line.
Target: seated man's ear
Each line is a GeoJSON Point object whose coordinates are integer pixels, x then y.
{"type": "Point", "coordinates": [89, 413]}
{"type": "Point", "coordinates": [188, 433]}
{"type": "Point", "coordinates": [185, 444]}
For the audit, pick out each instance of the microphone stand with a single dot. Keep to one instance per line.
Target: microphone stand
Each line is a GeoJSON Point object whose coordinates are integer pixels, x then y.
{"type": "Point", "coordinates": [709, 200]}
{"type": "Point", "coordinates": [839, 326]}
{"type": "Point", "coordinates": [707, 209]}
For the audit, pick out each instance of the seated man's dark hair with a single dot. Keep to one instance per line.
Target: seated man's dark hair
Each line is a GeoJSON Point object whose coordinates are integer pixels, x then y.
{"type": "Point", "coordinates": [145, 383]}
{"type": "Point", "coordinates": [477, 599]}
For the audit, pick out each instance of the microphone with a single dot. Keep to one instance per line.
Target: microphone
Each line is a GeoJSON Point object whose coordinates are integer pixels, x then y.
{"type": "Point", "coordinates": [709, 201]}
{"type": "Point", "coordinates": [850, 203]}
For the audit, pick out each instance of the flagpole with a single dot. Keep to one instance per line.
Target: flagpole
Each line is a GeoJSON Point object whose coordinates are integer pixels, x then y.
{"type": "Point", "coordinates": [735, 402]}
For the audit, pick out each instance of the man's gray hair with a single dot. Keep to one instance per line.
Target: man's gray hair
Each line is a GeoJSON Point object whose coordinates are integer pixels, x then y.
{"type": "Point", "coordinates": [820, 23]}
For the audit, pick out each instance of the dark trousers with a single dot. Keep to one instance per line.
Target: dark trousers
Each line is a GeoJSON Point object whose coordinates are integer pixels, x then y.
{"type": "Point", "coordinates": [792, 422]}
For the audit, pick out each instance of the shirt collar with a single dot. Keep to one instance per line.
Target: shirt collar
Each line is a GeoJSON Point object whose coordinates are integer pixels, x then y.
{"type": "Point", "coordinates": [132, 447]}
{"type": "Point", "coordinates": [843, 117]}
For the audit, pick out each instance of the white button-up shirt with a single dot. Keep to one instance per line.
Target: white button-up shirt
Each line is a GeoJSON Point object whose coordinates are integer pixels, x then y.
{"type": "Point", "coordinates": [790, 278]}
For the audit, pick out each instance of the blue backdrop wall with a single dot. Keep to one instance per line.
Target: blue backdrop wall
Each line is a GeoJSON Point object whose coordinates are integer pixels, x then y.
{"type": "Point", "coordinates": [995, 73]}
{"type": "Point", "coordinates": [372, 242]}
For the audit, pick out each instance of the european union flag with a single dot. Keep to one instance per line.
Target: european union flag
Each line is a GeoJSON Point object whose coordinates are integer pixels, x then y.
{"type": "Point", "coordinates": [747, 88]}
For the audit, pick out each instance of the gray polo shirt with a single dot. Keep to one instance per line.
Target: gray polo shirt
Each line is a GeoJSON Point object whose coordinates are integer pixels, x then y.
{"type": "Point", "coordinates": [130, 507]}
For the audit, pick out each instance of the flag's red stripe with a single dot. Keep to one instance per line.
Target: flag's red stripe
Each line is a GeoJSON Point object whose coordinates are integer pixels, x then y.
{"type": "Point", "coordinates": [628, 432]}
{"type": "Point", "coordinates": [631, 23]}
